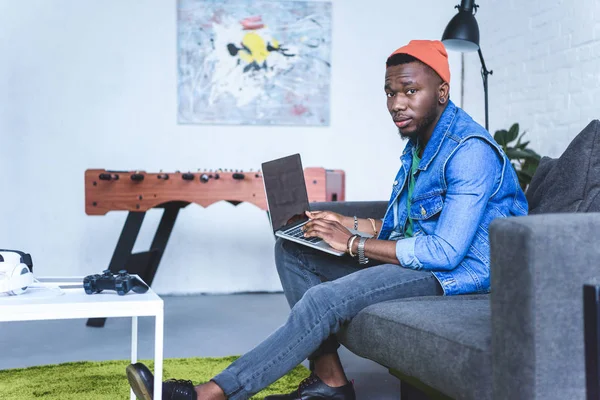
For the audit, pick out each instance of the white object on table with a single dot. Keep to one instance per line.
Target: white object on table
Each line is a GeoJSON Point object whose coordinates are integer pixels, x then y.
{"type": "Point", "coordinates": [72, 302]}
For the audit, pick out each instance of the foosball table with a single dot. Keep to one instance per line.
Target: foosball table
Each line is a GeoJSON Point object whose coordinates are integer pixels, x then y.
{"type": "Point", "coordinates": [140, 191]}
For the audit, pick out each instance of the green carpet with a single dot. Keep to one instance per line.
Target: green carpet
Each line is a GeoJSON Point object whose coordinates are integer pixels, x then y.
{"type": "Point", "coordinates": [106, 380]}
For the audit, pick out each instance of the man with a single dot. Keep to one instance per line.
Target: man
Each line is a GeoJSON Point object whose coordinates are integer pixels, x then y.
{"type": "Point", "coordinates": [453, 181]}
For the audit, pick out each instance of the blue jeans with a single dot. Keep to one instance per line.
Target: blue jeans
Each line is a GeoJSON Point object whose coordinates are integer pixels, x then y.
{"type": "Point", "coordinates": [324, 292]}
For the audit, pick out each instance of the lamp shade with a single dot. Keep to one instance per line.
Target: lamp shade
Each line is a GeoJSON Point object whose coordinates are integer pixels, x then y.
{"type": "Point", "coordinates": [462, 33]}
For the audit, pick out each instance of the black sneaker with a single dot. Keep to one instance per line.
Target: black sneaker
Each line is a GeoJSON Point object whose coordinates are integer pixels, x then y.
{"type": "Point", "coordinates": [141, 381]}
{"type": "Point", "coordinates": [313, 388]}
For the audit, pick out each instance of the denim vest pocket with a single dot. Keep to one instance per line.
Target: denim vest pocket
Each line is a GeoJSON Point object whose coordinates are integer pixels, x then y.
{"type": "Point", "coordinates": [426, 206]}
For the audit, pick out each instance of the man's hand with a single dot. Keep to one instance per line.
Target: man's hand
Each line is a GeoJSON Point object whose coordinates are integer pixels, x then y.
{"type": "Point", "coordinates": [327, 215]}
{"type": "Point", "coordinates": [332, 232]}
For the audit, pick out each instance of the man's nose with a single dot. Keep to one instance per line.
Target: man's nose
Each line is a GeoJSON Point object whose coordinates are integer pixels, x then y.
{"type": "Point", "coordinates": [399, 103]}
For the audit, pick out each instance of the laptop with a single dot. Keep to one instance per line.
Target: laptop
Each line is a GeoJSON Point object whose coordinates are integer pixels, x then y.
{"type": "Point", "coordinates": [287, 201]}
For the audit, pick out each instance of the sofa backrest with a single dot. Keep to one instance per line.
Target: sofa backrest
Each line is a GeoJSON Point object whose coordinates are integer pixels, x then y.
{"type": "Point", "coordinates": [570, 183]}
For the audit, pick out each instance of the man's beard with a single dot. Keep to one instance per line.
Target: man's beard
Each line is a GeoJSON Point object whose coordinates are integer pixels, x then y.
{"type": "Point", "coordinates": [422, 126]}
{"type": "Point", "coordinates": [402, 136]}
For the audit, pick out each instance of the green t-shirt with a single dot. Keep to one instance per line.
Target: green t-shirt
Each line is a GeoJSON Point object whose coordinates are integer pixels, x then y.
{"type": "Point", "coordinates": [416, 160]}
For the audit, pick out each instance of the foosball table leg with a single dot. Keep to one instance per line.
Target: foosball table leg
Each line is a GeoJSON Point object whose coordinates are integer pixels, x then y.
{"type": "Point", "coordinates": [122, 252]}
{"type": "Point", "coordinates": [145, 264]}
{"type": "Point", "coordinates": [161, 238]}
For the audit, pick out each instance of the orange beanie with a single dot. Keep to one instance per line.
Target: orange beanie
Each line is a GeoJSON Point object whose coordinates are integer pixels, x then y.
{"type": "Point", "coordinates": [429, 52]}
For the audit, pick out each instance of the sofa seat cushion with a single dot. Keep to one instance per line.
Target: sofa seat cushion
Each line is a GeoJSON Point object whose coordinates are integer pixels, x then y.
{"type": "Point", "coordinates": [444, 342]}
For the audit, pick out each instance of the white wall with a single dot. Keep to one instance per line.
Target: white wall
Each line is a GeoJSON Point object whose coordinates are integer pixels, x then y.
{"type": "Point", "coordinates": [545, 55]}
{"type": "Point", "coordinates": [92, 84]}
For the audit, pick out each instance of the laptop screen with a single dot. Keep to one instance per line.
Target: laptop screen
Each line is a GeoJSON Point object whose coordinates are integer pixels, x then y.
{"type": "Point", "coordinates": [286, 191]}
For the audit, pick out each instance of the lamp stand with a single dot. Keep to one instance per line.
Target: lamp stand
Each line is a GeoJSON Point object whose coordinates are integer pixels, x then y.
{"type": "Point", "coordinates": [484, 75]}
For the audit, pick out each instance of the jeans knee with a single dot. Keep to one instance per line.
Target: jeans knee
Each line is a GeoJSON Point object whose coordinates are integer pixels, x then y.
{"type": "Point", "coordinates": [286, 253]}
{"type": "Point", "coordinates": [320, 298]}
{"type": "Point", "coordinates": [327, 299]}
{"type": "Point", "coordinates": [280, 246]}
{"type": "Point", "coordinates": [282, 249]}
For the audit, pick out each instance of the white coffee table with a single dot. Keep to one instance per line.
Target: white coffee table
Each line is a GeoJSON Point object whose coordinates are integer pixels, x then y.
{"type": "Point", "coordinates": [36, 305]}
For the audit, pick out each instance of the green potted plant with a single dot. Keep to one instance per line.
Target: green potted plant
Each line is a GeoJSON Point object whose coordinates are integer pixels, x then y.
{"type": "Point", "coordinates": [524, 160]}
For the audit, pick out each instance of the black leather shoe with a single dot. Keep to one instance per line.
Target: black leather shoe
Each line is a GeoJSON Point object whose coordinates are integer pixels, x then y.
{"type": "Point", "coordinates": [141, 381]}
{"type": "Point", "coordinates": [313, 388]}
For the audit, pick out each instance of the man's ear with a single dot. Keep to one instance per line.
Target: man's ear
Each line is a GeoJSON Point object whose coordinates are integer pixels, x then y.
{"type": "Point", "coordinates": [443, 92]}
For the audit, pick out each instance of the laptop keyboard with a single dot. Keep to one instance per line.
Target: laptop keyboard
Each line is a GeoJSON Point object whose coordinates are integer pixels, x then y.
{"type": "Point", "coordinates": [297, 233]}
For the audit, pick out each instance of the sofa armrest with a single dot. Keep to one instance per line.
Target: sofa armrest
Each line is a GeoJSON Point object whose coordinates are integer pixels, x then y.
{"type": "Point", "coordinates": [539, 265]}
{"type": "Point", "coordinates": [362, 209]}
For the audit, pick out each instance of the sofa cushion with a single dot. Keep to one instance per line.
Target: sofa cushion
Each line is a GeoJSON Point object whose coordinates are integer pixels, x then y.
{"type": "Point", "coordinates": [570, 183]}
{"type": "Point", "coordinates": [442, 341]}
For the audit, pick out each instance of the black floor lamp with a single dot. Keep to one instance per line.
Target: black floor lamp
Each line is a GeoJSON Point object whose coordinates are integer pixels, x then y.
{"type": "Point", "coordinates": [462, 34]}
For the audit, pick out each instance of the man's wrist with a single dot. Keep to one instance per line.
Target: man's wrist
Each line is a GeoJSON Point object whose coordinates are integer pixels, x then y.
{"type": "Point", "coordinates": [348, 222]}
{"type": "Point", "coordinates": [355, 246]}
{"type": "Point", "coordinates": [362, 258]}
{"type": "Point", "coordinates": [350, 245]}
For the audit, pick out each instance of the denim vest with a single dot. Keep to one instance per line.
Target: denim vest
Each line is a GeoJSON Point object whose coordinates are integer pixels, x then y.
{"type": "Point", "coordinates": [461, 260]}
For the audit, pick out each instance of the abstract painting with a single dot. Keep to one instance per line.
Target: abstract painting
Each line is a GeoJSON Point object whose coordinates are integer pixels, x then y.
{"type": "Point", "coordinates": [254, 62]}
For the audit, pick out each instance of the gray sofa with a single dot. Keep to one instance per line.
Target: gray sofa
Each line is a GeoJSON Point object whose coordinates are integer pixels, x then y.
{"type": "Point", "coordinates": [524, 340]}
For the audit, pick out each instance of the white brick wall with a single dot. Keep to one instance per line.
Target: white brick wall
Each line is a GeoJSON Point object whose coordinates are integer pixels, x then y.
{"type": "Point", "coordinates": [545, 55]}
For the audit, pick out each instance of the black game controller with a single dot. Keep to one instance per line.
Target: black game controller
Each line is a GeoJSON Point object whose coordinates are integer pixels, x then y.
{"type": "Point", "coordinates": [122, 283]}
